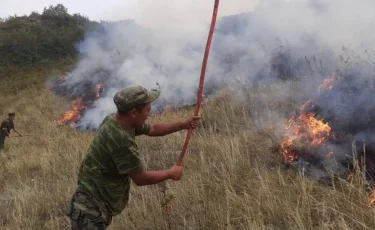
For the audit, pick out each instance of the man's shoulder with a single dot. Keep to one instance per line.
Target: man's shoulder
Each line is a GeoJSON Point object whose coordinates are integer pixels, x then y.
{"type": "Point", "coordinates": [112, 134]}
{"type": "Point", "coordinates": [5, 121]}
{"type": "Point", "coordinates": [108, 122]}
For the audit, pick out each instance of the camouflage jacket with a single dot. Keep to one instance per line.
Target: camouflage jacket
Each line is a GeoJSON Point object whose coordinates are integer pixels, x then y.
{"type": "Point", "coordinates": [104, 172]}
{"type": "Point", "coordinates": [6, 124]}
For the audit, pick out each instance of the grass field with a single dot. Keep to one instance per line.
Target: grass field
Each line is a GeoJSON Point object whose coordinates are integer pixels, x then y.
{"type": "Point", "coordinates": [232, 180]}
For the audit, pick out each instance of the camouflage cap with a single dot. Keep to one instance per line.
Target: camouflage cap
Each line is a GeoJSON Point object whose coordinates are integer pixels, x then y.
{"type": "Point", "coordinates": [12, 114]}
{"type": "Point", "coordinates": [133, 96]}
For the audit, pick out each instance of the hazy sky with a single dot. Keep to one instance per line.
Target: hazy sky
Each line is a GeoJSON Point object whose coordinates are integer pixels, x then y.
{"type": "Point", "coordinates": [154, 12]}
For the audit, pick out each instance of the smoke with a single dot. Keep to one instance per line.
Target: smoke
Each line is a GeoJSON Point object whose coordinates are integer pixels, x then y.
{"type": "Point", "coordinates": [255, 42]}
{"type": "Point", "coordinates": [176, 16]}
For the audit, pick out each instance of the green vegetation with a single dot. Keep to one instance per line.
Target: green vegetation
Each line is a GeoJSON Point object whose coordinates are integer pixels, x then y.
{"type": "Point", "coordinates": [39, 38]}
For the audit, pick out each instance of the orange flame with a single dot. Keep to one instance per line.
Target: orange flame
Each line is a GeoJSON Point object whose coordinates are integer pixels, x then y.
{"type": "Point", "coordinates": [329, 155]}
{"type": "Point", "coordinates": [327, 83]}
{"type": "Point", "coordinates": [305, 129]}
{"type": "Point", "coordinates": [312, 131]}
{"type": "Point", "coordinates": [287, 152]}
{"type": "Point", "coordinates": [72, 115]}
{"type": "Point", "coordinates": [98, 87]}
{"type": "Point", "coordinates": [315, 130]}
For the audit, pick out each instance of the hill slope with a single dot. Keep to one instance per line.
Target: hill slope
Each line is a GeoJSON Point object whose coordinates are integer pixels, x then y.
{"type": "Point", "coordinates": [232, 180]}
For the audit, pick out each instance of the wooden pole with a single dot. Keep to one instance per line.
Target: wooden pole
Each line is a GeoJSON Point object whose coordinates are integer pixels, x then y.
{"type": "Point", "coordinates": [201, 81]}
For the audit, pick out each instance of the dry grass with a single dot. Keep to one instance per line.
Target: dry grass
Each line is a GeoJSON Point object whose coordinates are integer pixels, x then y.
{"type": "Point", "coordinates": [232, 178]}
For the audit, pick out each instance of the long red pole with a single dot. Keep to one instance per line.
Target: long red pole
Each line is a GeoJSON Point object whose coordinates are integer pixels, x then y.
{"type": "Point", "coordinates": [201, 81]}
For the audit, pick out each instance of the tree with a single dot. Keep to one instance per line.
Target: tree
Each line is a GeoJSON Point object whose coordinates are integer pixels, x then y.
{"type": "Point", "coordinates": [58, 10]}
{"type": "Point", "coordinates": [50, 35]}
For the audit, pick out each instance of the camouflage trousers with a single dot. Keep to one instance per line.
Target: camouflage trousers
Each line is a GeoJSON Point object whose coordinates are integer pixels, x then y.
{"type": "Point", "coordinates": [84, 215]}
{"type": "Point", "coordinates": [2, 140]}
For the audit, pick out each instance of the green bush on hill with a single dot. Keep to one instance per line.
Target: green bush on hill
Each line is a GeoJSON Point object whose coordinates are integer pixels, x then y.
{"type": "Point", "coordinates": [26, 40]}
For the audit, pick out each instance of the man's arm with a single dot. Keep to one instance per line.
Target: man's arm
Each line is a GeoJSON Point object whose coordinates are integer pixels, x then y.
{"type": "Point", "coordinates": [153, 177]}
{"type": "Point", "coordinates": [162, 129]}
{"type": "Point", "coordinates": [6, 132]}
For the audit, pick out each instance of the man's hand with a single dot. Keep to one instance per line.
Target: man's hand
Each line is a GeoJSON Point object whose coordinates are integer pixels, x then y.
{"type": "Point", "coordinates": [176, 172]}
{"type": "Point", "coordinates": [193, 122]}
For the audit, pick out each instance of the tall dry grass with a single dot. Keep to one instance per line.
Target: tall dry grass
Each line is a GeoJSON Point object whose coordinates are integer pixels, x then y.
{"type": "Point", "coordinates": [232, 180]}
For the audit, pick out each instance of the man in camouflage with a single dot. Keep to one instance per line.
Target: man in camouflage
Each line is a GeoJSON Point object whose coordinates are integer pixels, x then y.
{"type": "Point", "coordinates": [6, 126]}
{"type": "Point", "coordinates": [113, 160]}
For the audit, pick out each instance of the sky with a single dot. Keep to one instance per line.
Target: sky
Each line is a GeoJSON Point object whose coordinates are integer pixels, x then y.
{"type": "Point", "coordinates": [145, 12]}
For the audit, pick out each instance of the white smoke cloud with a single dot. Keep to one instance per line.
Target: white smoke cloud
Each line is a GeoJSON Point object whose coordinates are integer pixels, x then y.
{"type": "Point", "coordinates": [169, 47]}
{"type": "Point", "coordinates": [176, 15]}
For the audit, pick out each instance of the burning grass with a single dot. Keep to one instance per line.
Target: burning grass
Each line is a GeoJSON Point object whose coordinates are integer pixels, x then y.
{"type": "Point", "coordinates": [306, 130]}
{"type": "Point", "coordinates": [233, 179]}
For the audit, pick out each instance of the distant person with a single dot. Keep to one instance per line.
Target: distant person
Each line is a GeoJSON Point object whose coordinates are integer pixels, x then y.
{"type": "Point", "coordinates": [113, 160]}
{"type": "Point", "coordinates": [6, 126]}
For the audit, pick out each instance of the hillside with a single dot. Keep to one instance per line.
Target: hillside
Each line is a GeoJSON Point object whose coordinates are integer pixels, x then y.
{"type": "Point", "coordinates": [271, 152]}
{"type": "Point", "coordinates": [232, 180]}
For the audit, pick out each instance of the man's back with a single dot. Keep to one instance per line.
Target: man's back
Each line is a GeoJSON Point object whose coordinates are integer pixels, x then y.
{"type": "Point", "coordinates": [6, 124]}
{"type": "Point", "coordinates": [104, 172]}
